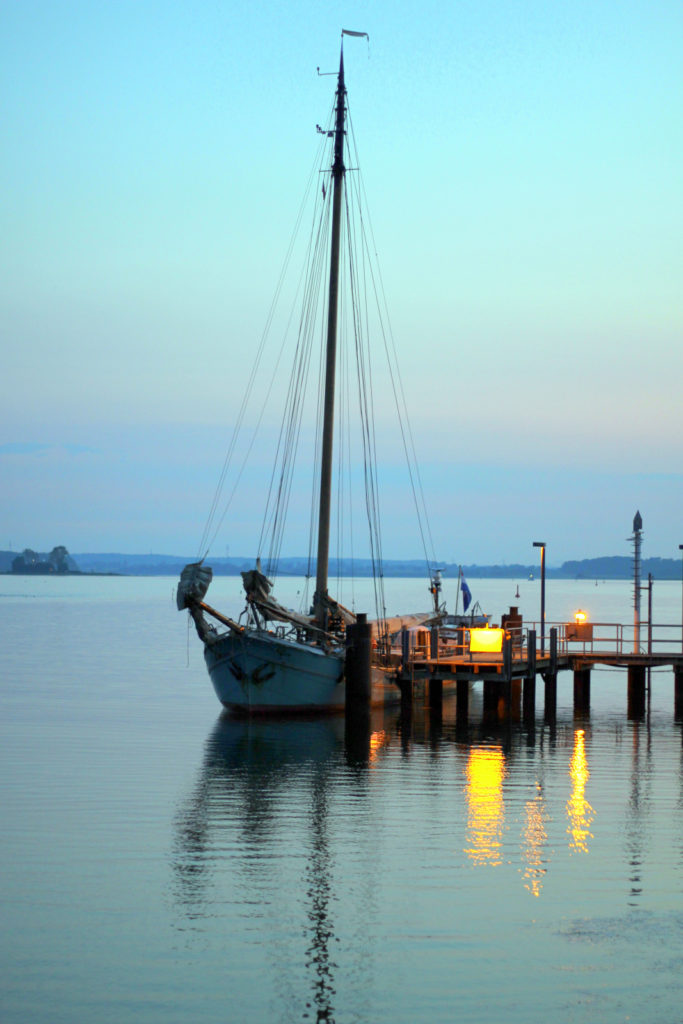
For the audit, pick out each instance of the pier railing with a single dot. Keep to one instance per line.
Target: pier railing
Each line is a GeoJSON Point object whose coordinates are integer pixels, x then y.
{"type": "Point", "coordinates": [602, 639]}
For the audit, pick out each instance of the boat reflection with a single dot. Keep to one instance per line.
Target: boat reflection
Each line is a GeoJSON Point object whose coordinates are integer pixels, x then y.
{"type": "Point", "coordinates": [579, 811]}
{"type": "Point", "coordinates": [485, 771]}
{"type": "Point", "coordinates": [257, 823]}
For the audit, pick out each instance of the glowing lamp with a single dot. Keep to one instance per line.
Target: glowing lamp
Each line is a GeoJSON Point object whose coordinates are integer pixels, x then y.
{"type": "Point", "coordinates": [486, 641]}
{"type": "Point", "coordinates": [580, 629]}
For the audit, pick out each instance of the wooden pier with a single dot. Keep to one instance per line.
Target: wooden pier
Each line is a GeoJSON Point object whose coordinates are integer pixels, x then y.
{"type": "Point", "coordinates": [437, 661]}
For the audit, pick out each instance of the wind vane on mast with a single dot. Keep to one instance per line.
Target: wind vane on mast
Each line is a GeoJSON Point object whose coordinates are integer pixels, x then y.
{"type": "Point", "coordinates": [358, 35]}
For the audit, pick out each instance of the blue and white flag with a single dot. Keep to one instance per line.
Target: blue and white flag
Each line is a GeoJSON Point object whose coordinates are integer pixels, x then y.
{"type": "Point", "coordinates": [466, 594]}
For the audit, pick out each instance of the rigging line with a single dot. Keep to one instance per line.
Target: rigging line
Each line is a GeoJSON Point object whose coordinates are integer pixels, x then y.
{"type": "Point", "coordinates": [394, 370]}
{"type": "Point", "coordinates": [289, 439]}
{"type": "Point", "coordinates": [345, 511]}
{"type": "Point", "coordinates": [321, 331]}
{"type": "Point", "coordinates": [413, 467]}
{"type": "Point", "coordinates": [342, 418]}
{"type": "Point", "coordinates": [273, 506]}
{"type": "Point", "coordinates": [413, 462]}
{"type": "Point", "coordinates": [349, 471]}
{"type": "Point", "coordinates": [365, 405]}
{"type": "Point", "coordinates": [250, 384]}
{"type": "Point", "coordinates": [315, 481]}
{"type": "Point", "coordinates": [344, 450]}
{"type": "Point", "coordinates": [363, 333]}
{"type": "Point", "coordinates": [306, 286]}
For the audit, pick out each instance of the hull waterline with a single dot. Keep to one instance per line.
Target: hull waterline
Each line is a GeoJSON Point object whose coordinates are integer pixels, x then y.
{"type": "Point", "coordinates": [260, 673]}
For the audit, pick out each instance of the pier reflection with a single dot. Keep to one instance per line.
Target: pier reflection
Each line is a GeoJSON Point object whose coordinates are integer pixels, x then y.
{"type": "Point", "coordinates": [281, 832]}
{"type": "Point", "coordinates": [579, 811]}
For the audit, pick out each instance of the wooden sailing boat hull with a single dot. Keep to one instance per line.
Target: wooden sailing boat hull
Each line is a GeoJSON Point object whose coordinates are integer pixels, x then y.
{"type": "Point", "coordinates": [259, 673]}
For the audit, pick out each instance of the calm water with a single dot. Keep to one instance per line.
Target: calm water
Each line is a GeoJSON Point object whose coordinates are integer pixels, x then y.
{"type": "Point", "coordinates": [163, 863]}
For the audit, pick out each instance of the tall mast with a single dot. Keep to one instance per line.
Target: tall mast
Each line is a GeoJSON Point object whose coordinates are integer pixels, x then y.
{"type": "Point", "coordinates": [338, 171]}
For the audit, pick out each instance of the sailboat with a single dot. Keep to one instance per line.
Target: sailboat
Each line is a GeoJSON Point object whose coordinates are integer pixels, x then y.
{"type": "Point", "coordinates": [274, 659]}
{"type": "Point", "coordinates": [475, 618]}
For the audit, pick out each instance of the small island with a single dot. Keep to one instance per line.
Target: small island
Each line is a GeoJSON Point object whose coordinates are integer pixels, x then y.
{"type": "Point", "coordinates": [30, 563]}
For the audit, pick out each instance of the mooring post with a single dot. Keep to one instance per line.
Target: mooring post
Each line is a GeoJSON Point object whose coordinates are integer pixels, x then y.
{"type": "Point", "coordinates": [678, 692]}
{"type": "Point", "coordinates": [507, 674]}
{"type": "Point", "coordinates": [405, 685]}
{"type": "Point", "coordinates": [582, 688]}
{"type": "Point", "coordinates": [553, 650]}
{"type": "Point", "coordinates": [405, 680]}
{"type": "Point", "coordinates": [529, 692]}
{"type": "Point", "coordinates": [462, 693]}
{"type": "Point", "coordinates": [636, 692]}
{"type": "Point", "coordinates": [434, 643]}
{"type": "Point", "coordinates": [358, 673]}
{"type": "Point", "coordinates": [405, 648]}
{"type": "Point", "coordinates": [358, 658]}
{"type": "Point", "coordinates": [435, 693]}
{"type": "Point", "coordinates": [491, 696]}
{"type": "Point", "coordinates": [550, 680]}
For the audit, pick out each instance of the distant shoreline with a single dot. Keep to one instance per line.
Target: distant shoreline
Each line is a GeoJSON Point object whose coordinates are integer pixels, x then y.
{"type": "Point", "coordinates": [70, 572]}
{"type": "Point", "coordinates": [599, 570]}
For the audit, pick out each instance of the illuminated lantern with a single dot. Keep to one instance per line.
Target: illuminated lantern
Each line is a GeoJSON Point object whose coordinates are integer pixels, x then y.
{"type": "Point", "coordinates": [486, 641]}
{"type": "Point", "coordinates": [580, 629]}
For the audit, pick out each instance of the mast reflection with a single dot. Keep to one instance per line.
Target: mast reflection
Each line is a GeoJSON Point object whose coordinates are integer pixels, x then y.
{"type": "Point", "coordinates": [241, 821]}
{"type": "Point", "coordinates": [485, 808]}
{"type": "Point", "coordinates": [579, 811]}
{"type": "Point", "coordinates": [535, 839]}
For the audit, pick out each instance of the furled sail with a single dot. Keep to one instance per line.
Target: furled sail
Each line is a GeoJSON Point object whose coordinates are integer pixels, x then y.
{"type": "Point", "coordinates": [258, 587]}
{"type": "Point", "coordinates": [193, 585]}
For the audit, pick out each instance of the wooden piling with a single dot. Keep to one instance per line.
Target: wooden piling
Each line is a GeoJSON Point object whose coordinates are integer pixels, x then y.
{"type": "Point", "coordinates": [462, 691]}
{"type": "Point", "coordinates": [636, 692]}
{"type": "Point", "coordinates": [529, 692]}
{"type": "Point", "coordinates": [435, 694]}
{"type": "Point", "coordinates": [553, 650]}
{"type": "Point", "coordinates": [582, 688]}
{"type": "Point", "coordinates": [550, 709]}
{"type": "Point", "coordinates": [491, 697]}
{"type": "Point", "coordinates": [678, 692]}
{"type": "Point", "coordinates": [358, 664]}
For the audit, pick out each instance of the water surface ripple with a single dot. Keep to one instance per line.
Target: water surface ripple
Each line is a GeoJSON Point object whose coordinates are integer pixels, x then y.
{"type": "Point", "coordinates": [162, 861]}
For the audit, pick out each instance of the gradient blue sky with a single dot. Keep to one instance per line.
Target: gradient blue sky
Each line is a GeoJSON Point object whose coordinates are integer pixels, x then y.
{"type": "Point", "coordinates": [523, 162]}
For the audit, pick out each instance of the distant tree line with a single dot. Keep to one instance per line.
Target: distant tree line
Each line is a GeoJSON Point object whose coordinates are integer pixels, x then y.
{"type": "Point", "coordinates": [31, 563]}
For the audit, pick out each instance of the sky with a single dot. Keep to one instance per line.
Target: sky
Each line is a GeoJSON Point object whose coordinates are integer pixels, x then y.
{"type": "Point", "coordinates": [523, 164]}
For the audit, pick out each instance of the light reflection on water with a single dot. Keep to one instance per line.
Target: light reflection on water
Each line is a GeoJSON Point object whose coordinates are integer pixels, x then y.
{"type": "Point", "coordinates": [160, 862]}
{"type": "Point", "coordinates": [301, 845]}
{"type": "Point", "coordinates": [485, 807]}
{"type": "Point", "coordinates": [579, 811]}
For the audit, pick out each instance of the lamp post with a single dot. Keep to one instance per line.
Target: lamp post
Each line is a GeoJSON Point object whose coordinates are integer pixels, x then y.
{"type": "Point", "coordinates": [680, 548]}
{"type": "Point", "coordinates": [541, 544]}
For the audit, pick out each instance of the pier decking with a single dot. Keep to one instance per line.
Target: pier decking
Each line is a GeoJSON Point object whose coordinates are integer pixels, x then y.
{"type": "Point", "coordinates": [439, 658]}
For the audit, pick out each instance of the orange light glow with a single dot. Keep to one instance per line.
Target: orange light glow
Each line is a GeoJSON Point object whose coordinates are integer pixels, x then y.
{"type": "Point", "coordinates": [486, 811]}
{"type": "Point", "coordinates": [580, 616]}
{"type": "Point", "coordinates": [579, 811]}
{"type": "Point", "coordinates": [378, 741]}
{"type": "Point", "coordinates": [486, 641]}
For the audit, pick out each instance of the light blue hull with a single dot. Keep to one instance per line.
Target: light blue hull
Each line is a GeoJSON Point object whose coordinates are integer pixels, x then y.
{"type": "Point", "coordinates": [259, 673]}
